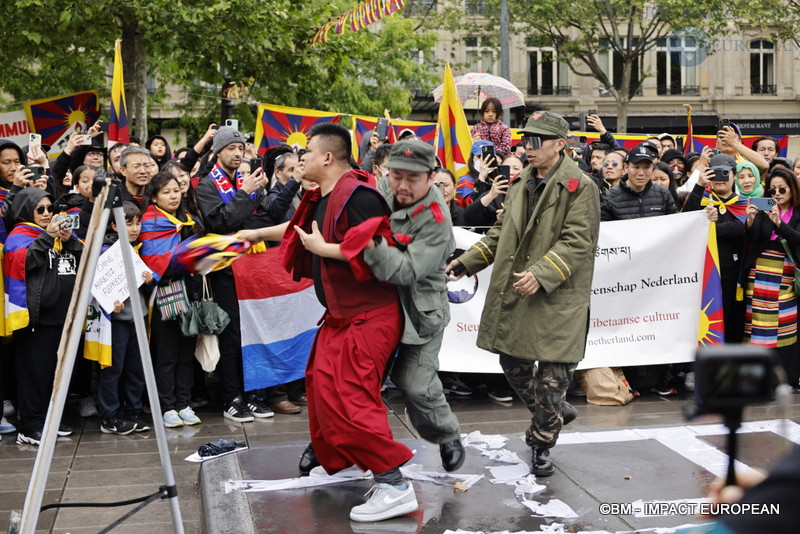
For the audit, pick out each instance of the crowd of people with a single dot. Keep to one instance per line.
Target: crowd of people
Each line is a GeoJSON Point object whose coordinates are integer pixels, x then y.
{"type": "Point", "coordinates": [377, 241]}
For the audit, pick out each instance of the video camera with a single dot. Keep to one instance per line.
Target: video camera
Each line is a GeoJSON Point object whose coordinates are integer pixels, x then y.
{"type": "Point", "coordinates": [730, 377]}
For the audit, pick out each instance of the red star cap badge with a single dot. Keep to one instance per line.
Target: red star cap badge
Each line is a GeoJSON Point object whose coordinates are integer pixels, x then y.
{"type": "Point", "coordinates": [408, 153]}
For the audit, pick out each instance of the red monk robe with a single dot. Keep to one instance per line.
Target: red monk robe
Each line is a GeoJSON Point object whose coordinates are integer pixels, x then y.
{"type": "Point", "coordinates": [362, 327]}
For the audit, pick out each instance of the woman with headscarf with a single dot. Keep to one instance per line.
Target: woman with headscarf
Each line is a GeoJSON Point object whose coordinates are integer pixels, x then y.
{"type": "Point", "coordinates": [748, 180]}
{"type": "Point", "coordinates": [40, 263]}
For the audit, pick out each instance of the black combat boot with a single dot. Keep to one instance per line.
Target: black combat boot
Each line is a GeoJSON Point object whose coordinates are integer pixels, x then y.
{"type": "Point", "coordinates": [541, 465]}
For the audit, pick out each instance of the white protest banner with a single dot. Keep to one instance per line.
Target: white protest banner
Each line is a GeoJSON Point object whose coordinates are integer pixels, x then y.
{"type": "Point", "coordinates": [646, 297]}
{"type": "Point", "coordinates": [110, 282]}
{"type": "Point", "coordinates": [14, 127]}
{"type": "Point", "coordinates": [646, 291]}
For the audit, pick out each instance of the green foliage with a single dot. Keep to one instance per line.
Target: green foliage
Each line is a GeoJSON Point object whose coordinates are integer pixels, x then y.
{"type": "Point", "coordinates": [59, 46]}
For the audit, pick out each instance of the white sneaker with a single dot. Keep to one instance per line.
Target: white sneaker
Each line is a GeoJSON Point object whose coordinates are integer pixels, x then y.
{"type": "Point", "coordinates": [172, 419]}
{"type": "Point", "coordinates": [87, 408]}
{"type": "Point", "coordinates": [188, 416]}
{"type": "Point", "coordinates": [351, 472]}
{"type": "Point", "coordinates": [8, 409]}
{"type": "Point", "coordinates": [6, 427]}
{"type": "Point", "coordinates": [385, 501]}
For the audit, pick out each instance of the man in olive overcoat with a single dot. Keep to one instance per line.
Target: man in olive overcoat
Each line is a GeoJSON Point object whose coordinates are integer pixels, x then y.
{"type": "Point", "coordinates": [536, 315]}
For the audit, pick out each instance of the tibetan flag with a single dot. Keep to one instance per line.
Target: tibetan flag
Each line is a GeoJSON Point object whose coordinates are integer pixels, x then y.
{"type": "Point", "coordinates": [97, 335]}
{"type": "Point", "coordinates": [278, 320]}
{"type": "Point", "coordinates": [699, 141]}
{"type": "Point", "coordinates": [281, 125]}
{"type": "Point", "coordinates": [711, 330]}
{"type": "Point", "coordinates": [424, 130]}
{"type": "Point", "coordinates": [453, 141]}
{"type": "Point", "coordinates": [688, 143]}
{"type": "Point", "coordinates": [56, 118]}
{"type": "Point", "coordinates": [783, 145]}
{"type": "Point", "coordinates": [364, 125]}
{"type": "Point", "coordinates": [161, 233]}
{"type": "Point", "coordinates": [15, 299]}
{"type": "Point", "coordinates": [736, 205]}
{"type": "Point", "coordinates": [341, 22]}
{"type": "Point", "coordinates": [118, 123]}
{"type": "Point", "coordinates": [361, 126]}
{"type": "Point", "coordinates": [3, 300]}
{"type": "Point", "coordinates": [209, 253]}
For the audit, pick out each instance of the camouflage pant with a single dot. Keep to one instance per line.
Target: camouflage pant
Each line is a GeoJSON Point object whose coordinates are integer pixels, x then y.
{"type": "Point", "coordinates": [543, 389]}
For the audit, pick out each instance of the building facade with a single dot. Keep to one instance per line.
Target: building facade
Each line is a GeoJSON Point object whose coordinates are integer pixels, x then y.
{"type": "Point", "coordinates": [747, 77]}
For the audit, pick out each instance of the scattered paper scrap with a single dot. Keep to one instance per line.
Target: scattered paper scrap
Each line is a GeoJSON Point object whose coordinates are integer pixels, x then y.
{"type": "Point", "coordinates": [503, 474]}
{"type": "Point", "coordinates": [282, 484]}
{"type": "Point", "coordinates": [502, 455]}
{"type": "Point", "coordinates": [554, 508]}
{"type": "Point", "coordinates": [483, 441]}
{"type": "Point", "coordinates": [527, 485]}
{"type": "Point", "coordinates": [415, 472]}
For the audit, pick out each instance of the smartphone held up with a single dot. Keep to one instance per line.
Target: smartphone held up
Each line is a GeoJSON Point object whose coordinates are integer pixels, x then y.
{"type": "Point", "coordinates": [763, 203]}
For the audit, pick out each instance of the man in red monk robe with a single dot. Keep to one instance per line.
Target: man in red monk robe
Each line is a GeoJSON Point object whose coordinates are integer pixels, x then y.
{"type": "Point", "coordinates": [362, 325]}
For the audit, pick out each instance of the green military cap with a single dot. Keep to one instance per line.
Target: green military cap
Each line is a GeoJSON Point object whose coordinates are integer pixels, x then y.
{"type": "Point", "coordinates": [412, 155]}
{"type": "Point", "coordinates": [546, 123]}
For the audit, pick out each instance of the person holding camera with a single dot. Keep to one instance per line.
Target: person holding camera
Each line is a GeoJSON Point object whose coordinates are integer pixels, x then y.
{"type": "Point", "coordinates": [83, 148]}
{"type": "Point", "coordinates": [768, 270]}
{"type": "Point", "coordinates": [233, 203]}
{"type": "Point", "coordinates": [25, 175]}
{"type": "Point", "coordinates": [537, 307]}
{"type": "Point", "coordinates": [729, 141]}
{"type": "Point", "coordinates": [715, 193]}
{"type": "Point", "coordinates": [40, 260]}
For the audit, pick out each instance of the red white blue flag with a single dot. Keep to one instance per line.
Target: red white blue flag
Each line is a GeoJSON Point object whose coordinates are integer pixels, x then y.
{"type": "Point", "coordinates": [278, 320]}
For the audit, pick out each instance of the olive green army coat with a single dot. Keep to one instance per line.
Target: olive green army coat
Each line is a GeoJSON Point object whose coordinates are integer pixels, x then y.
{"type": "Point", "coordinates": [557, 244]}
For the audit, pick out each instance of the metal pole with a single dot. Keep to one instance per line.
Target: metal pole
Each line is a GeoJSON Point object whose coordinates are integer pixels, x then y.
{"type": "Point", "coordinates": [41, 468]}
{"type": "Point", "coordinates": [505, 65]}
{"type": "Point", "coordinates": [147, 365]}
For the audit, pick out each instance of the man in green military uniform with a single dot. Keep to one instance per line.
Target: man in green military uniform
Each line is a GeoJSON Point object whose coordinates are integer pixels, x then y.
{"type": "Point", "coordinates": [423, 240]}
{"type": "Point", "coordinates": [537, 308]}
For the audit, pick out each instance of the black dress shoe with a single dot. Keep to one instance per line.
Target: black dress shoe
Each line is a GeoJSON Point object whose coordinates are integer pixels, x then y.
{"type": "Point", "coordinates": [452, 454]}
{"type": "Point", "coordinates": [569, 413]}
{"type": "Point", "coordinates": [541, 465]}
{"type": "Point", "coordinates": [308, 461]}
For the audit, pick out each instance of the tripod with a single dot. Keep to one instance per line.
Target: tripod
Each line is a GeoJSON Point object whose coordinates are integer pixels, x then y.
{"type": "Point", "coordinates": [110, 201]}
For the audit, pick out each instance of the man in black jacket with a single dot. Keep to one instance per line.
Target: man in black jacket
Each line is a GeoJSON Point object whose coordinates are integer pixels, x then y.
{"type": "Point", "coordinates": [637, 196]}
{"type": "Point", "coordinates": [233, 203]}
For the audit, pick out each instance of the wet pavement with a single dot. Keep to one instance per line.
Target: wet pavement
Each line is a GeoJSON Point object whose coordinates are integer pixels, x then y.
{"type": "Point", "coordinates": [644, 451]}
